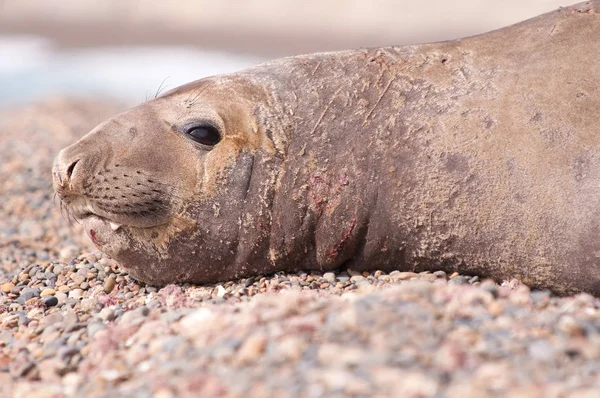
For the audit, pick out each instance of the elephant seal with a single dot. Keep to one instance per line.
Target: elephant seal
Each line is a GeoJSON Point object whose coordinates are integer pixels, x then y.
{"type": "Point", "coordinates": [480, 155]}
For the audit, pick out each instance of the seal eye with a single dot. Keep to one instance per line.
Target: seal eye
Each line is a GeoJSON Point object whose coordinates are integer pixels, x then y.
{"type": "Point", "coordinates": [204, 134]}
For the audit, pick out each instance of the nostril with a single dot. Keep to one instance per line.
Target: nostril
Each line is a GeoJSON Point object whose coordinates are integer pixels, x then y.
{"type": "Point", "coordinates": [71, 168]}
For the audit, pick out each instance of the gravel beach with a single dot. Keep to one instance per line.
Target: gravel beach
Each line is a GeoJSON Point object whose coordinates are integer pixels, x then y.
{"type": "Point", "coordinates": [72, 324]}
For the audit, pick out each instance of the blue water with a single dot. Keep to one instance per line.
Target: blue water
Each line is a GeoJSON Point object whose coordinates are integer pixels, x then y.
{"type": "Point", "coordinates": [32, 68]}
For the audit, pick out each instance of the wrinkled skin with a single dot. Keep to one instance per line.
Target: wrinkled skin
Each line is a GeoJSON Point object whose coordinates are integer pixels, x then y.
{"type": "Point", "coordinates": [480, 155]}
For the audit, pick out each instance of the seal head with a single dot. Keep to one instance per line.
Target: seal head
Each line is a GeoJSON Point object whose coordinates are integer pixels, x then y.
{"type": "Point", "coordinates": [151, 186]}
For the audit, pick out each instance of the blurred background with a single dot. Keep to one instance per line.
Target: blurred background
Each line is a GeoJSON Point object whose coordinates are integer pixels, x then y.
{"type": "Point", "coordinates": [127, 49]}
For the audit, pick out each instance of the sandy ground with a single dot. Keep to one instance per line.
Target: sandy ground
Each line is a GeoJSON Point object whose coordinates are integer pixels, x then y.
{"type": "Point", "coordinates": [72, 324]}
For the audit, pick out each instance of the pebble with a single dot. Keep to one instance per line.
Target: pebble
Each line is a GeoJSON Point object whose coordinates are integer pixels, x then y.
{"type": "Point", "coordinates": [29, 293]}
{"type": "Point", "coordinates": [221, 291]}
{"type": "Point", "coordinates": [107, 314]}
{"type": "Point", "coordinates": [61, 297]}
{"type": "Point", "coordinates": [47, 292]}
{"type": "Point", "coordinates": [94, 327]}
{"type": "Point", "coordinates": [76, 293]}
{"type": "Point", "coordinates": [440, 274]}
{"type": "Point", "coordinates": [252, 348]}
{"type": "Point", "coordinates": [458, 280]}
{"type": "Point", "coordinates": [109, 284]}
{"type": "Point", "coordinates": [569, 326]}
{"type": "Point", "coordinates": [68, 252]}
{"type": "Point", "coordinates": [329, 277]}
{"type": "Point", "coordinates": [491, 288]}
{"type": "Point", "coordinates": [402, 276]}
{"type": "Point", "coordinates": [50, 301]}
{"type": "Point", "coordinates": [7, 287]}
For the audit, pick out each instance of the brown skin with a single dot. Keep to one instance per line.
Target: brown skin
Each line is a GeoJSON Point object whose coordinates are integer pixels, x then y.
{"type": "Point", "coordinates": [480, 155]}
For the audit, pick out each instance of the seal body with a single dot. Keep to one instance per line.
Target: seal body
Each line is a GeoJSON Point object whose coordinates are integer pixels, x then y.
{"type": "Point", "coordinates": [480, 155]}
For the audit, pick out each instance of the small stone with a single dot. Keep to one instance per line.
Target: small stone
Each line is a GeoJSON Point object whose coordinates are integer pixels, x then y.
{"type": "Point", "coordinates": [40, 275]}
{"type": "Point", "coordinates": [47, 292]}
{"type": "Point", "coordinates": [70, 318]}
{"type": "Point", "coordinates": [491, 288]}
{"type": "Point", "coordinates": [427, 277]}
{"type": "Point", "coordinates": [29, 293]}
{"type": "Point", "coordinates": [76, 293]}
{"type": "Point", "coordinates": [163, 392]}
{"type": "Point", "coordinates": [569, 326]}
{"type": "Point", "coordinates": [252, 348]}
{"type": "Point", "coordinates": [50, 301]}
{"type": "Point", "coordinates": [87, 305]}
{"type": "Point", "coordinates": [78, 279]}
{"type": "Point", "coordinates": [291, 348]}
{"type": "Point", "coordinates": [221, 291]}
{"type": "Point", "coordinates": [402, 276]}
{"type": "Point", "coordinates": [6, 287]}
{"type": "Point", "coordinates": [541, 298]}
{"type": "Point", "coordinates": [55, 318]}
{"type": "Point", "coordinates": [449, 357]}
{"type": "Point", "coordinates": [131, 317]}
{"type": "Point", "coordinates": [68, 253]}
{"type": "Point", "coordinates": [329, 277]}
{"type": "Point", "coordinates": [109, 285]}
{"type": "Point", "coordinates": [440, 274]}
{"type": "Point", "coordinates": [495, 308]}
{"type": "Point", "coordinates": [58, 268]}
{"type": "Point", "coordinates": [143, 311]}
{"type": "Point", "coordinates": [93, 328]}
{"type": "Point", "coordinates": [107, 314]}
{"type": "Point", "coordinates": [61, 296]}
{"type": "Point", "coordinates": [458, 280]}
{"type": "Point", "coordinates": [357, 278]}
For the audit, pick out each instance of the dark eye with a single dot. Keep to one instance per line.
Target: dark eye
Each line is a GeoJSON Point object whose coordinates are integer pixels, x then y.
{"type": "Point", "coordinates": [205, 135]}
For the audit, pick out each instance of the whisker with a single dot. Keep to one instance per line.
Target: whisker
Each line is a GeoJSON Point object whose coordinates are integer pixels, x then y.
{"type": "Point", "coordinates": [200, 92]}
{"type": "Point", "coordinates": [161, 87]}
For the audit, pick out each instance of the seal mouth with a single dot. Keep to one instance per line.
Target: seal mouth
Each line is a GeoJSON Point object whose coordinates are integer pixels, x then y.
{"type": "Point", "coordinates": [114, 224]}
{"type": "Point", "coordinates": [81, 209]}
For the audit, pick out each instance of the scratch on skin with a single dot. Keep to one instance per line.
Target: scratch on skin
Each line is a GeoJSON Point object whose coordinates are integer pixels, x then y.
{"type": "Point", "coordinates": [333, 97]}
{"type": "Point", "coordinates": [379, 77]}
{"type": "Point", "coordinates": [338, 246]}
{"type": "Point", "coordinates": [316, 68]}
{"type": "Point", "coordinates": [385, 90]}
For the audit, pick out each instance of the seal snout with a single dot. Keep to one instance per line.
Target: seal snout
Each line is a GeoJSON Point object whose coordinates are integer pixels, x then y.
{"type": "Point", "coordinates": [66, 172]}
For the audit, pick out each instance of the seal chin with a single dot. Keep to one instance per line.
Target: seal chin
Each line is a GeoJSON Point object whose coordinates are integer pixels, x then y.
{"type": "Point", "coordinates": [99, 230]}
{"type": "Point", "coordinates": [111, 236]}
